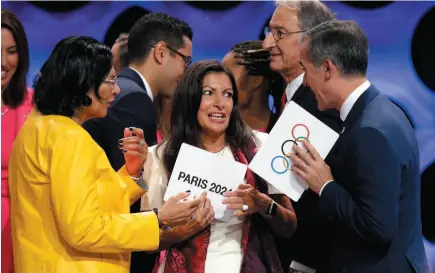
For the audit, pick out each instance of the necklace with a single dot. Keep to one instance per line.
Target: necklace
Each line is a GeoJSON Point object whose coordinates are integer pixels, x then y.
{"type": "Point", "coordinates": [5, 111]}
{"type": "Point", "coordinates": [219, 152]}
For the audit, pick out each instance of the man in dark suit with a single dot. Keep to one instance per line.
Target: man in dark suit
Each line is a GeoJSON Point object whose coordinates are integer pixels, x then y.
{"type": "Point", "coordinates": [159, 50]}
{"type": "Point", "coordinates": [291, 19]}
{"type": "Point", "coordinates": [372, 196]}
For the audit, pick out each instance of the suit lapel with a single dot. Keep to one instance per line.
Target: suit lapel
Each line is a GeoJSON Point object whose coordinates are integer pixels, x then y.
{"type": "Point", "coordinates": [132, 75]}
{"type": "Point", "coordinates": [299, 94]}
{"type": "Point", "coordinates": [359, 105]}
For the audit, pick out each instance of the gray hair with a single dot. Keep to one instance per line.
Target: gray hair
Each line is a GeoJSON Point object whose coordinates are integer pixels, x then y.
{"type": "Point", "coordinates": [310, 13]}
{"type": "Point", "coordinates": [343, 42]}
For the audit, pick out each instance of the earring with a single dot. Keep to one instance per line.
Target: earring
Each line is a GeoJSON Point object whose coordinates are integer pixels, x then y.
{"type": "Point", "coordinates": [86, 101]}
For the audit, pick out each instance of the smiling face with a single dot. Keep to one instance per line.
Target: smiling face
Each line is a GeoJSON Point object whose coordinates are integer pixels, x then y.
{"type": "Point", "coordinates": [240, 75]}
{"type": "Point", "coordinates": [284, 51]}
{"type": "Point", "coordinates": [214, 112]}
{"type": "Point", "coordinates": [317, 78]}
{"type": "Point", "coordinates": [107, 92]}
{"type": "Point", "coordinates": [174, 67]}
{"type": "Point", "coordinates": [9, 57]}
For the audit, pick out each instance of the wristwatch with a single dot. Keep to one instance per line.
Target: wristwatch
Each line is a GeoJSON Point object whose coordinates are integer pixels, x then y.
{"type": "Point", "coordinates": [273, 208]}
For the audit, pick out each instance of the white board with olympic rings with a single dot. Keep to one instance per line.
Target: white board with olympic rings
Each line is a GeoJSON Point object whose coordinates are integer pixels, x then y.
{"type": "Point", "coordinates": [272, 162]}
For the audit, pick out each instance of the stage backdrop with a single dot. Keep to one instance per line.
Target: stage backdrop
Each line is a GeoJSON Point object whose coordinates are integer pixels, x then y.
{"type": "Point", "coordinates": [401, 36]}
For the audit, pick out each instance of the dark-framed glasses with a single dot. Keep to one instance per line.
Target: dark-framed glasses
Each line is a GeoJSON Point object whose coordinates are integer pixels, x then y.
{"type": "Point", "coordinates": [187, 59]}
{"type": "Point", "coordinates": [278, 34]}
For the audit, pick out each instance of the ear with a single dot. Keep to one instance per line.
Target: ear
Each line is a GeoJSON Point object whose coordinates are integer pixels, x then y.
{"type": "Point", "coordinates": [256, 81]}
{"type": "Point", "coordinates": [329, 69]}
{"type": "Point", "coordinates": [160, 52]}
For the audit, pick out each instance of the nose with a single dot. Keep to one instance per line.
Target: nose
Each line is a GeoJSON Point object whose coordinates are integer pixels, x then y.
{"type": "Point", "coordinates": [269, 41]}
{"type": "Point", "coordinates": [219, 101]}
{"type": "Point", "coordinates": [116, 89]}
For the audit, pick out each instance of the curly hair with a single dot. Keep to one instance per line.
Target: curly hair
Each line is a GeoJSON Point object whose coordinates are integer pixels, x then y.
{"type": "Point", "coordinates": [256, 61]}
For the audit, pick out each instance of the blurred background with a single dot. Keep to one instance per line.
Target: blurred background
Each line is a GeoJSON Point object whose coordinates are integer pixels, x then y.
{"type": "Point", "coordinates": [401, 37]}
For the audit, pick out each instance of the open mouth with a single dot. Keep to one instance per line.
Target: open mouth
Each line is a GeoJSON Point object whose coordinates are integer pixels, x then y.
{"type": "Point", "coordinates": [217, 116]}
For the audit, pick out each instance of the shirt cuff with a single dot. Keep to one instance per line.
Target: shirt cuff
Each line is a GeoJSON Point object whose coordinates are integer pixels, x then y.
{"type": "Point", "coordinates": [324, 185]}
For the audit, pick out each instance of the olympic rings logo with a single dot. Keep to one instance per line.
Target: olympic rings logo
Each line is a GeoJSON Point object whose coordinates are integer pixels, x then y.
{"type": "Point", "coordinates": [285, 157]}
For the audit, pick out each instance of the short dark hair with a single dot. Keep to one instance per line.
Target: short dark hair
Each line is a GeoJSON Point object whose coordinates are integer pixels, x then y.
{"type": "Point", "coordinates": [77, 65]}
{"type": "Point", "coordinates": [13, 94]}
{"type": "Point", "coordinates": [184, 116]}
{"type": "Point", "coordinates": [153, 28]}
{"type": "Point", "coordinates": [310, 13]}
{"type": "Point", "coordinates": [123, 51]}
{"type": "Point", "coordinates": [256, 61]}
{"type": "Point", "coordinates": [343, 42]}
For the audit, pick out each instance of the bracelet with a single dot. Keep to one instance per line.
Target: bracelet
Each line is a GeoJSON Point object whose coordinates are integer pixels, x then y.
{"type": "Point", "coordinates": [160, 234]}
{"type": "Point", "coordinates": [136, 179]}
{"type": "Point", "coordinates": [162, 224]}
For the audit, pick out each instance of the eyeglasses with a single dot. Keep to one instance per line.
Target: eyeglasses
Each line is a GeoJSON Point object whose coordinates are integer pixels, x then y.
{"type": "Point", "coordinates": [111, 83]}
{"type": "Point", "coordinates": [278, 34]}
{"type": "Point", "coordinates": [187, 59]}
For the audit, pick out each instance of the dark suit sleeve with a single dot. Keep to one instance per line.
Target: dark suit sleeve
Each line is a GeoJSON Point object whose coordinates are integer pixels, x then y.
{"type": "Point", "coordinates": [132, 110]}
{"type": "Point", "coordinates": [370, 212]}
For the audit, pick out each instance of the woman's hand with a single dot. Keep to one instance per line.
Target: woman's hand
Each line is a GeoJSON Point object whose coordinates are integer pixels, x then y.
{"type": "Point", "coordinates": [203, 216]}
{"type": "Point", "coordinates": [177, 211]}
{"type": "Point", "coordinates": [135, 150]}
{"type": "Point", "coordinates": [246, 200]}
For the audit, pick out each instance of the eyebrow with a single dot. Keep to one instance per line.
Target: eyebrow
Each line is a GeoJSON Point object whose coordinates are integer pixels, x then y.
{"type": "Point", "coordinates": [214, 89]}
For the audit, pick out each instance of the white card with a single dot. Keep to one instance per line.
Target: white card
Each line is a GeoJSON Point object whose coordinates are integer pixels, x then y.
{"type": "Point", "coordinates": [271, 162]}
{"type": "Point", "coordinates": [298, 267]}
{"type": "Point", "coordinates": [198, 170]}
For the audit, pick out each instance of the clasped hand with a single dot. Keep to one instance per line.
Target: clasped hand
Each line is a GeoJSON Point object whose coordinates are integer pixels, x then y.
{"type": "Point", "coordinates": [178, 210]}
{"type": "Point", "coordinates": [202, 217]}
{"type": "Point", "coordinates": [246, 200]}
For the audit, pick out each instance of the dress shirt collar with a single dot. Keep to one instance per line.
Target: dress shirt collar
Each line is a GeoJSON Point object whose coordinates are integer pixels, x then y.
{"type": "Point", "coordinates": [352, 98]}
{"type": "Point", "coordinates": [147, 86]}
{"type": "Point", "coordinates": [292, 87]}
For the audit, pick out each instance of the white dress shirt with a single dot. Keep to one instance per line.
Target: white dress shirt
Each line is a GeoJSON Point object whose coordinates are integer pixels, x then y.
{"type": "Point", "coordinates": [147, 86]}
{"type": "Point", "coordinates": [347, 106]}
{"type": "Point", "coordinates": [292, 87]}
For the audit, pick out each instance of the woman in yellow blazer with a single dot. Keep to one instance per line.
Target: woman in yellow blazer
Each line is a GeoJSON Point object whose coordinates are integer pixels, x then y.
{"type": "Point", "coordinates": [70, 209]}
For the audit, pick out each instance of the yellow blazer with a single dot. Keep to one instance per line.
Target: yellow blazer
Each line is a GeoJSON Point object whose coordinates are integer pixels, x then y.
{"type": "Point", "coordinates": [70, 209]}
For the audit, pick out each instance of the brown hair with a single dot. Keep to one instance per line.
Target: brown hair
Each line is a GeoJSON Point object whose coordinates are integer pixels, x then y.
{"type": "Point", "coordinates": [14, 93]}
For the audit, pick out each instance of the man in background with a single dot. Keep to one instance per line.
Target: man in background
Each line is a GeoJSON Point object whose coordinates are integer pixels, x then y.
{"type": "Point", "coordinates": [120, 52]}
{"type": "Point", "coordinates": [309, 246]}
{"type": "Point", "coordinates": [159, 50]}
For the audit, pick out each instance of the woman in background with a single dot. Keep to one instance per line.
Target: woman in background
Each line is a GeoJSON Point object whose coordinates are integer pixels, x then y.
{"type": "Point", "coordinates": [16, 104]}
{"type": "Point", "coordinates": [70, 209]}
{"type": "Point", "coordinates": [249, 63]}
